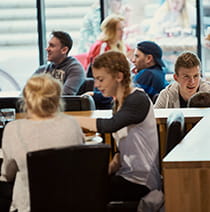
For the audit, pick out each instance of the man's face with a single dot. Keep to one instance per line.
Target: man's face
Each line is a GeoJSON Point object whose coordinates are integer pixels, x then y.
{"type": "Point", "coordinates": [140, 60]}
{"type": "Point", "coordinates": [55, 51]}
{"type": "Point", "coordinates": [189, 81]}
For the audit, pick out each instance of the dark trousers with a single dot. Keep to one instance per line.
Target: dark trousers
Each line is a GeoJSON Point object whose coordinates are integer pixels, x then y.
{"type": "Point", "coordinates": [124, 190]}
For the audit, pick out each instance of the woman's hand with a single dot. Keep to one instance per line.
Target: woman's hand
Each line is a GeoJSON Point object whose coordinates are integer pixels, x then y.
{"type": "Point", "coordinates": [114, 165]}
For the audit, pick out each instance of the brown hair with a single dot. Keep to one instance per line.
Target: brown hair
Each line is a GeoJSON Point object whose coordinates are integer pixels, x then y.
{"type": "Point", "coordinates": [114, 62]}
{"type": "Point", "coordinates": [64, 38]}
{"type": "Point", "coordinates": [199, 99]}
{"type": "Point", "coordinates": [42, 95]}
{"type": "Point", "coordinates": [109, 30]}
{"type": "Point", "coordinates": [187, 60]}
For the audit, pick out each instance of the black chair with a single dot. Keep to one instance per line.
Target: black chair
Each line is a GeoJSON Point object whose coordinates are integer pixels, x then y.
{"type": "Point", "coordinates": [10, 102]}
{"type": "Point", "coordinates": [71, 178]}
{"type": "Point", "coordinates": [79, 103]}
{"type": "Point", "coordinates": [154, 98]}
{"type": "Point", "coordinates": [122, 206]}
{"type": "Point", "coordinates": [88, 85]}
{"type": "Point", "coordinates": [175, 130]}
{"type": "Point", "coordinates": [6, 190]}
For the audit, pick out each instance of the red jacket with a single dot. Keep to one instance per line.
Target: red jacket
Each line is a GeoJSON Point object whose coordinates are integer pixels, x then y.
{"type": "Point", "coordinates": [97, 48]}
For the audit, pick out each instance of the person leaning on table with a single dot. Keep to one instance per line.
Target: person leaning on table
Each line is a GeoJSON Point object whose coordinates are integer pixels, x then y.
{"type": "Point", "coordinates": [188, 81]}
{"type": "Point", "coordinates": [43, 127]}
{"type": "Point", "coordinates": [134, 169]}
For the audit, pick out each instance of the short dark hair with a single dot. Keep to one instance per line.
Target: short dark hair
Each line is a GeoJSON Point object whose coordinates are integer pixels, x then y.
{"type": "Point", "coordinates": [199, 99]}
{"type": "Point", "coordinates": [64, 38]}
{"type": "Point", "coordinates": [187, 59]}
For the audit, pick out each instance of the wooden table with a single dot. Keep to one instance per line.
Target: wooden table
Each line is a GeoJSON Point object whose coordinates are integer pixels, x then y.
{"type": "Point", "coordinates": [192, 116]}
{"type": "Point", "coordinates": [187, 171]}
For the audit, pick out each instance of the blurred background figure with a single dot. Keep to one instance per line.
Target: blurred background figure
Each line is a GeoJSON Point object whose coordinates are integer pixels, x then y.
{"type": "Point", "coordinates": [111, 38]}
{"type": "Point", "coordinates": [43, 127]}
{"type": "Point", "coordinates": [91, 24]}
{"type": "Point", "coordinates": [174, 17]}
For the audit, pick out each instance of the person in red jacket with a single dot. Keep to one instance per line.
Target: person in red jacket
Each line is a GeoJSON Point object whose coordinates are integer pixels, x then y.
{"type": "Point", "coordinates": [111, 38]}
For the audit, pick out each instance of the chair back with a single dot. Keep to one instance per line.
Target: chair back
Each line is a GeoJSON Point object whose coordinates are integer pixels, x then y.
{"type": "Point", "coordinates": [73, 178]}
{"type": "Point", "coordinates": [88, 85]}
{"type": "Point", "coordinates": [10, 102]}
{"type": "Point", "coordinates": [79, 103]}
{"type": "Point", "coordinates": [175, 130]}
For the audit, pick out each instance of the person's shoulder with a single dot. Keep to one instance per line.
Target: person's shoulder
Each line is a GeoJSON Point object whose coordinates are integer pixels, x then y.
{"type": "Point", "coordinates": [137, 97]}
{"type": "Point", "coordinates": [204, 85]}
{"type": "Point", "coordinates": [41, 68]}
{"type": "Point", "coordinates": [13, 124]}
{"type": "Point", "coordinates": [98, 43]}
{"type": "Point", "coordinates": [68, 119]}
{"type": "Point", "coordinates": [171, 88]}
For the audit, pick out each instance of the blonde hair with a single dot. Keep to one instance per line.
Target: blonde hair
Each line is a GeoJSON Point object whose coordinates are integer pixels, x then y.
{"type": "Point", "coordinates": [42, 95]}
{"type": "Point", "coordinates": [114, 62]}
{"type": "Point", "coordinates": [109, 30]}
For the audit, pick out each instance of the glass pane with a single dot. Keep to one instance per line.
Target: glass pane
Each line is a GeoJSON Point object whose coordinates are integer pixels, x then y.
{"type": "Point", "coordinates": [18, 43]}
{"type": "Point", "coordinates": [67, 15]}
{"type": "Point", "coordinates": [206, 37]}
{"type": "Point", "coordinates": [170, 23]}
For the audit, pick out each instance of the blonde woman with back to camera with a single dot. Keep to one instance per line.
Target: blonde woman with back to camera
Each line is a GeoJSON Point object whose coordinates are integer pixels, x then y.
{"type": "Point", "coordinates": [43, 127]}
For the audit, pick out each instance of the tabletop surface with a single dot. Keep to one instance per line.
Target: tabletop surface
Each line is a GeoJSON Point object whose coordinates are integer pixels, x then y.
{"type": "Point", "coordinates": [162, 113]}
{"type": "Point", "coordinates": [195, 146]}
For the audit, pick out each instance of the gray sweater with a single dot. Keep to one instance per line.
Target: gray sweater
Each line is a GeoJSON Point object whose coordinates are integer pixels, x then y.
{"type": "Point", "coordinates": [70, 72]}
{"type": "Point", "coordinates": [24, 135]}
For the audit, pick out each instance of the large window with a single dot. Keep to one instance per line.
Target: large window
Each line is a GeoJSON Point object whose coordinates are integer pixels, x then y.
{"type": "Point", "coordinates": [19, 47]}
{"type": "Point", "coordinates": [205, 36]}
{"type": "Point", "coordinates": [18, 43]}
{"type": "Point", "coordinates": [172, 26]}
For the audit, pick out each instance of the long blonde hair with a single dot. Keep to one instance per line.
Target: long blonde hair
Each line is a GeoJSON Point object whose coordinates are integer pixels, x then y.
{"type": "Point", "coordinates": [42, 95]}
{"type": "Point", "coordinates": [109, 29]}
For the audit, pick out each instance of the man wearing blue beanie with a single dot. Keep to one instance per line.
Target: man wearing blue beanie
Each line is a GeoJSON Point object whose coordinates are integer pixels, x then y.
{"type": "Point", "coordinates": [150, 68]}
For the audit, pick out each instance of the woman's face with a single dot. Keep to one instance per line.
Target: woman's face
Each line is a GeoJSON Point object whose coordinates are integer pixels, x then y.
{"type": "Point", "coordinates": [176, 5]}
{"type": "Point", "coordinates": [119, 30]}
{"type": "Point", "coordinates": [105, 82]}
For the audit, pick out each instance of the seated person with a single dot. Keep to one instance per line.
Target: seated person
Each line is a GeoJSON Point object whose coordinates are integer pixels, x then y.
{"type": "Point", "coordinates": [111, 38]}
{"type": "Point", "coordinates": [149, 67]}
{"type": "Point", "coordinates": [187, 82]}
{"type": "Point", "coordinates": [134, 170]}
{"type": "Point", "coordinates": [63, 67]}
{"type": "Point", "coordinates": [44, 126]}
{"type": "Point", "coordinates": [199, 99]}
{"type": "Point", "coordinates": [173, 17]}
